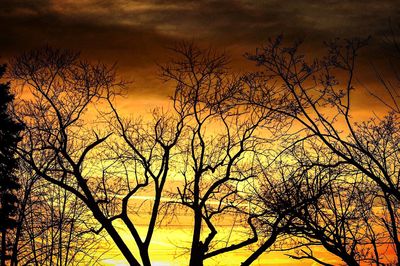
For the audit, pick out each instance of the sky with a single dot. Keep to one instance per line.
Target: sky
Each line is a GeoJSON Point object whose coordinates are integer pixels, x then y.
{"type": "Point", "coordinates": [135, 34]}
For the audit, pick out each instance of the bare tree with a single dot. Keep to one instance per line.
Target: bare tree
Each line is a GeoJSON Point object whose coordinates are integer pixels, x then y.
{"type": "Point", "coordinates": [277, 150]}
{"type": "Point", "coordinates": [27, 182]}
{"type": "Point", "coordinates": [340, 220]}
{"type": "Point", "coordinates": [104, 168]}
{"type": "Point", "coordinates": [53, 226]}
{"type": "Point", "coordinates": [316, 98]}
{"type": "Point", "coordinates": [146, 157]}
{"type": "Point", "coordinates": [58, 141]}
{"type": "Point", "coordinates": [286, 189]}
{"type": "Point", "coordinates": [218, 150]}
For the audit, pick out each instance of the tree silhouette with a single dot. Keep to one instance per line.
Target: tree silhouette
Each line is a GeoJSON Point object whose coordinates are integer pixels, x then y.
{"type": "Point", "coordinates": [103, 167]}
{"type": "Point", "coordinates": [52, 225]}
{"type": "Point", "coordinates": [9, 138]}
{"type": "Point", "coordinates": [315, 96]}
{"type": "Point", "coordinates": [286, 188]}
{"type": "Point", "coordinates": [217, 150]}
{"type": "Point", "coordinates": [146, 155]}
{"type": "Point", "coordinates": [275, 153]}
{"type": "Point", "coordinates": [341, 219]}
{"type": "Point", "coordinates": [54, 145]}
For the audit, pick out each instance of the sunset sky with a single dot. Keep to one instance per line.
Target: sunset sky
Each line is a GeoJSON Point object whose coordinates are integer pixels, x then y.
{"type": "Point", "coordinates": [136, 35]}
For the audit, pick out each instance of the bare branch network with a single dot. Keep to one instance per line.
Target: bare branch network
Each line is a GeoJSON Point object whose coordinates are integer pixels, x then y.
{"type": "Point", "coordinates": [274, 155]}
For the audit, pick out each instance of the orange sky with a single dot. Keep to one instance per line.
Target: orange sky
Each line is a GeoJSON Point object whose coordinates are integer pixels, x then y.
{"type": "Point", "coordinates": [135, 34]}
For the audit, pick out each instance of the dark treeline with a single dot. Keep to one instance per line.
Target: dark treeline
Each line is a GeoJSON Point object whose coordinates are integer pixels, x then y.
{"type": "Point", "coordinates": [277, 152]}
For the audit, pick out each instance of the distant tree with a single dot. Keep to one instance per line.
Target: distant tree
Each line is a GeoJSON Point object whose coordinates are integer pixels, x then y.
{"type": "Point", "coordinates": [52, 226]}
{"type": "Point", "coordinates": [9, 138]}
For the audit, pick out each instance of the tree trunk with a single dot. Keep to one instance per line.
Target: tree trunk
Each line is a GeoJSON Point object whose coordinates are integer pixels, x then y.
{"type": "Point", "coordinates": [271, 240]}
{"type": "Point", "coordinates": [144, 255]}
{"type": "Point", "coordinates": [14, 255]}
{"type": "Point", "coordinates": [196, 257]}
{"type": "Point", "coordinates": [196, 252]}
{"type": "Point", "coordinates": [121, 245]}
{"type": "Point", "coordinates": [348, 259]}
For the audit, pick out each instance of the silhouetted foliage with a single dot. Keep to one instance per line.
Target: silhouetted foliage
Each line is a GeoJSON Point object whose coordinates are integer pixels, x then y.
{"type": "Point", "coordinates": [9, 138]}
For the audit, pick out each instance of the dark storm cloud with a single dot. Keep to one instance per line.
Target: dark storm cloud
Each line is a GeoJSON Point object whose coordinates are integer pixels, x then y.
{"type": "Point", "coordinates": [25, 25]}
{"type": "Point", "coordinates": [134, 33]}
{"type": "Point", "coordinates": [220, 21]}
{"type": "Point", "coordinates": [252, 19]}
{"type": "Point", "coordinates": [124, 24]}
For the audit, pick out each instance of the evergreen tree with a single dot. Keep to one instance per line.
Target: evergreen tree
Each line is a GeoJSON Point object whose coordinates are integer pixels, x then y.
{"type": "Point", "coordinates": [9, 137]}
